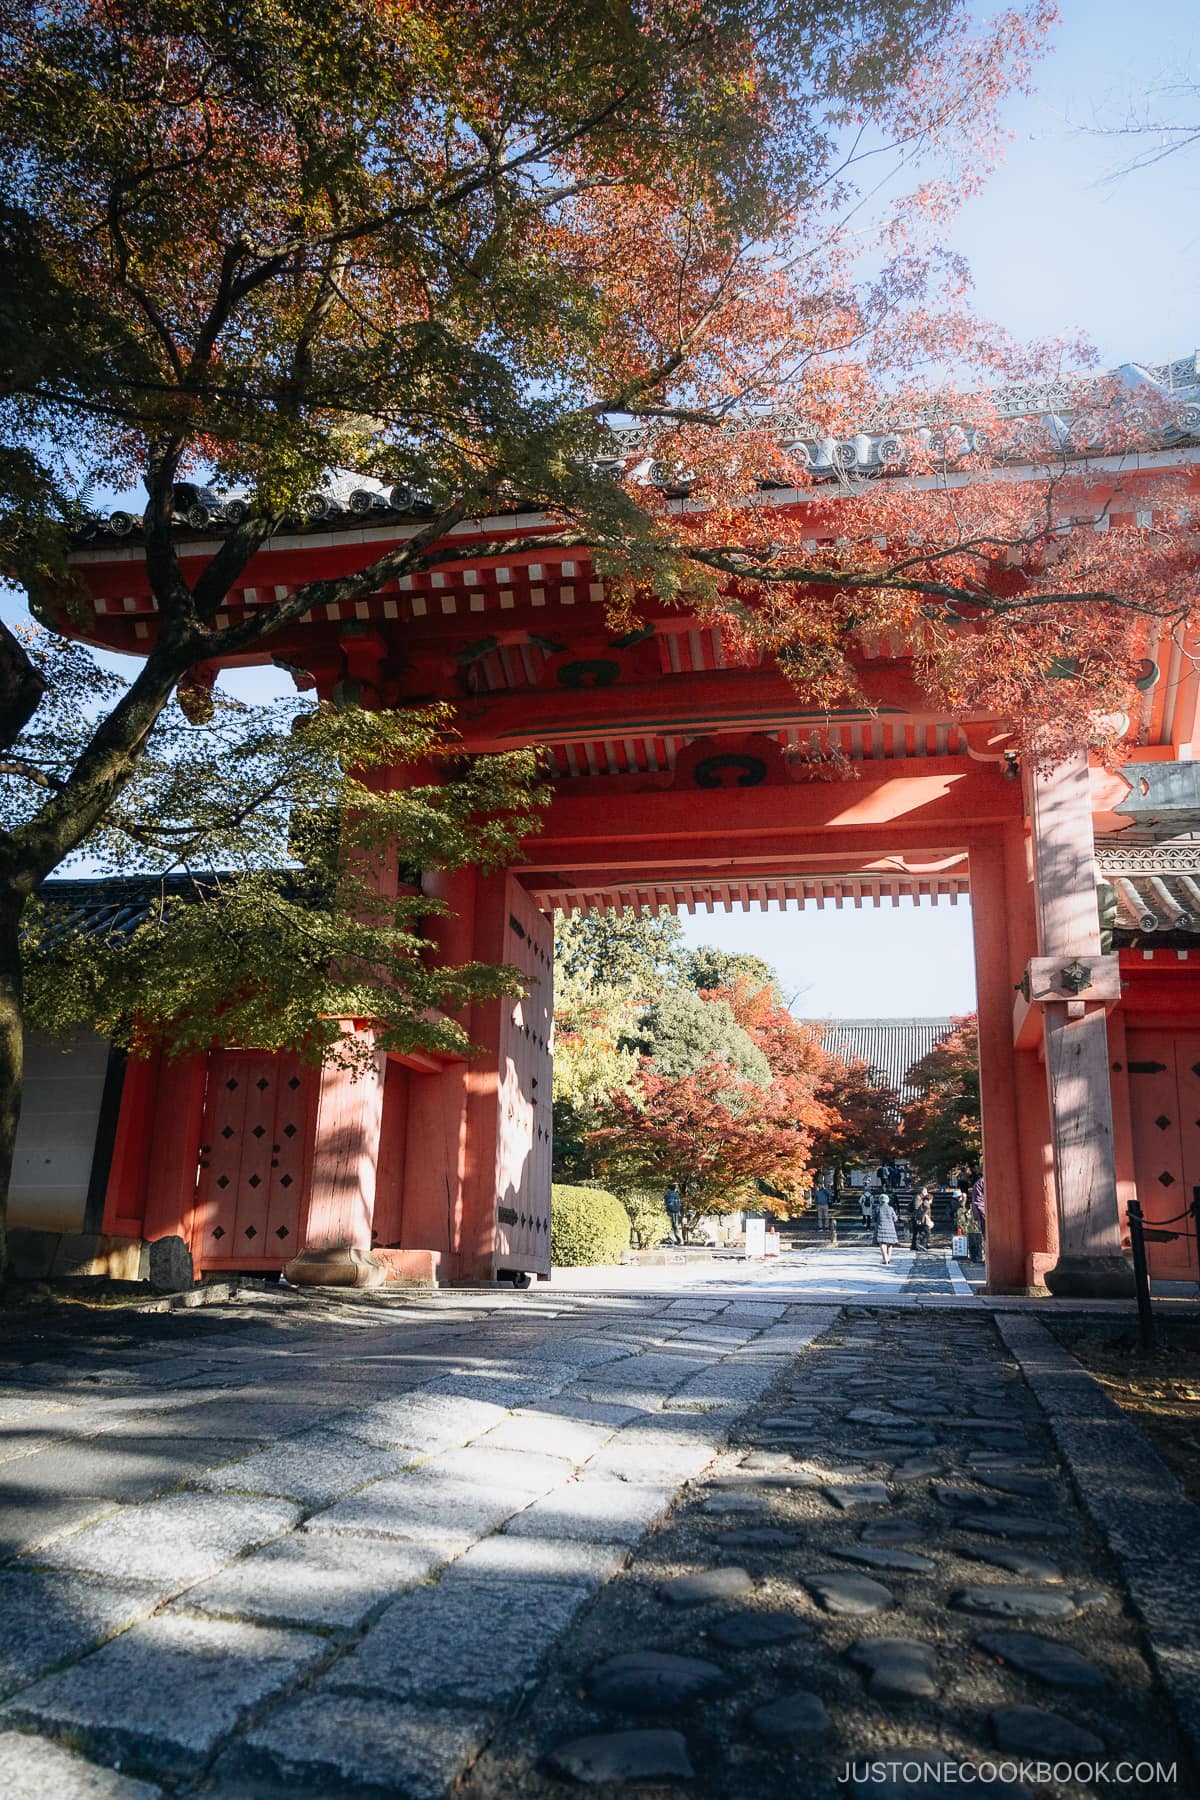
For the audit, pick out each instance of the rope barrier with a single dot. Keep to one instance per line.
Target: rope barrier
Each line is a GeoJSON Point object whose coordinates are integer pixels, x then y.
{"type": "Point", "coordinates": [1188, 1213]}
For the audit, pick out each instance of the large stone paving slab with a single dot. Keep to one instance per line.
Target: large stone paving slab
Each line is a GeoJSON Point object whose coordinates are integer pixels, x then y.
{"type": "Point", "coordinates": [115, 1468]}
{"type": "Point", "coordinates": [572, 1560]}
{"type": "Point", "coordinates": [174, 1541]}
{"type": "Point", "coordinates": [466, 1640]}
{"type": "Point", "coordinates": [578, 1352]}
{"type": "Point", "coordinates": [314, 1468]}
{"type": "Point", "coordinates": [506, 1388]}
{"type": "Point", "coordinates": [47, 1619]}
{"type": "Point", "coordinates": [169, 1690]}
{"type": "Point", "coordinates": [243, 1416]}
{"type": "Point", "coordinates": [21, 1411]}
{"type": "Point", "coordinates": [334, 1742]}
{"type": "Point", "coordinates": [309, 1580]}
{"type": "Point", "coordinates": [422, 1422]}
{"type": "Point", "coordinates": [595, 1509]}
{"type": "Point", "coordinates": [500, 1471]}
{"type": "Point", "coordinates": [32, 1520]}
{"type": "Point", "coordinates": [653, 1457]}
{"type": "Point", "coordinates": [547, 1434]}
{"type": "Point", "coordinates": [32, 1768]}
{"type": "Point", "coordinates": [420, 1507]}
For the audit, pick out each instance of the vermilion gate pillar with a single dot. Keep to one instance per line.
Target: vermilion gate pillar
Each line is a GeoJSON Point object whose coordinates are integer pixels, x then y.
{"type": "Point", "coordinates": [1090, 1260]}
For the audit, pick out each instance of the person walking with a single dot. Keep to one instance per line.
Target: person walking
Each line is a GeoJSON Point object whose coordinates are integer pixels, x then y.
{"type": "Point", "coordinates": [821, 1199]}
{"type": "Point", "coordinates": [885, 1228]}
{"type": "Point", "coordinates": [922, 1219]}
{"type": "Point", "coordinates": [673, 1203]}
{"type": "Point", "coordinates": [978, 1226]}
{"type": "Point", "coordinates": [866, 1206]}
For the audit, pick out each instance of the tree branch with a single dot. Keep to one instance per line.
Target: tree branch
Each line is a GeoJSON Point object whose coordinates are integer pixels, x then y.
{"type": "Point", "coordinates": [22, 685]}
{"type": "Point", "coordinates": [267, 620]}
{"type": "Point", "coordinates": [15, 765]}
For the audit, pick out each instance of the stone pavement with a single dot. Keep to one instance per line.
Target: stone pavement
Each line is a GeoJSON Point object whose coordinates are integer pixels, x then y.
{"type": "Point", "coordinates": [224, 1527]}
{"type": "Point", "coordinates": [819, 1275]}
{"type": "Point", "coordinates": [377, 1546]}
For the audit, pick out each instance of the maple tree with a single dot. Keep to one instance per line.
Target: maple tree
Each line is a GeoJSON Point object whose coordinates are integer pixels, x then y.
{"type": "Point", "coordinates": [862, 1117]}
{"type": "Point", "coordinates": [730, 1115]}
{"type": "Point", "coordinates": [712, 1132]}
{"type": "Point", "coordinates": [791, 1046]}
{"type": "Point", "coordinates": [941, 1129]}
{"type": "Point", "coordinates": [443, 245]}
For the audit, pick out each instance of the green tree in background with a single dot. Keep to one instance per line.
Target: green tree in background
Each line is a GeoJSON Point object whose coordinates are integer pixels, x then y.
{"type": "Point", "coordinates": [681, 1033]}
{"type": "Point", "coordinates": [628, 953]}
{"type": "Point", "coordinates": [592, 1061]}
{"type": "Point", "coordinates": [709, 967]}
{"type": "Point", "coordinates": [606, 966]}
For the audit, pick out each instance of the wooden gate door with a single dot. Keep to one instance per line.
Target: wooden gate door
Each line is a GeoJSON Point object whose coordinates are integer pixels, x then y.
{"type": "Point", "coordinates": [1164, 1094]}
{"type": "Point", "coordinates": [252, 1183]}
{"type": "Point", "coordinates": [524, 1141]}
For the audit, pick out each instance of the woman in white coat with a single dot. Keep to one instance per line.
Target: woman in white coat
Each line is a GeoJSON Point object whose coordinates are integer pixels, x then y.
{"type": "Point", "coordinates": [886, 1233]}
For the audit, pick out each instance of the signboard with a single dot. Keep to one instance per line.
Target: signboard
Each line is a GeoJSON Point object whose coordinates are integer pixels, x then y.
{"type": "Point", "coordinates": [756, 1237]}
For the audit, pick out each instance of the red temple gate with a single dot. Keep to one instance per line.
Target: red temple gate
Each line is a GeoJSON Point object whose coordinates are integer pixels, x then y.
{"type": "Point", "coordinates": [686, 778]}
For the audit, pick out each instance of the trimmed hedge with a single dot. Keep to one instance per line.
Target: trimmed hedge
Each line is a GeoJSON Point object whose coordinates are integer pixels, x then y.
{"type": "Point", "coordinates": [587, 1225]}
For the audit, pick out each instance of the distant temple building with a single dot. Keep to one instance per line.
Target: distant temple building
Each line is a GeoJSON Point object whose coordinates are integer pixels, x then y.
{"type": "Point", "coordinates": [891, 1048]}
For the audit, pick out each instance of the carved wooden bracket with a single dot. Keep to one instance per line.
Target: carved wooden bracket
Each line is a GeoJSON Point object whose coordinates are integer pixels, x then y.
{"type": "Point", "coordinates": [1082, 983]}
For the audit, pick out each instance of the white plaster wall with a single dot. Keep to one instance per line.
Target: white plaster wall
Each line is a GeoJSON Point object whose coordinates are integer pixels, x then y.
{"type": "Point", "coordinates": [64, 1081]}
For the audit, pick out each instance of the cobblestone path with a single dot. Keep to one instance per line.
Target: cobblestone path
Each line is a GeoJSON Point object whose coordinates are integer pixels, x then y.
{"type": "Point", "coordinates": [885, 1577]}
{"type": "Point", "coordinates": [529, 1543]}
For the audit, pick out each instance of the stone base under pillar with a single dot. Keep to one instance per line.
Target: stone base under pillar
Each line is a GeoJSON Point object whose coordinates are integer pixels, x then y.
{"type": "Point", "coordinates": [335, 1265]}
{"type": "Point", "coordinates": [1091, 1278]}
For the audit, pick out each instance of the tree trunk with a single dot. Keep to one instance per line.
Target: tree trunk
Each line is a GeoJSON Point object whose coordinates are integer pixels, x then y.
{"type": "Point", "coordinates": [12, 1052]}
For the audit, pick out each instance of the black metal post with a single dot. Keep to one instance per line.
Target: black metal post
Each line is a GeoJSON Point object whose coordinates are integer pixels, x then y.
{"type": "Point", "coordinates": [1141, 1275]}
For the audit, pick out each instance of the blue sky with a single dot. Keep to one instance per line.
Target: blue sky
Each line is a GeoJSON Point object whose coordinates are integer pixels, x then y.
{"type": "Point", "coordinates": [1055, 246]}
